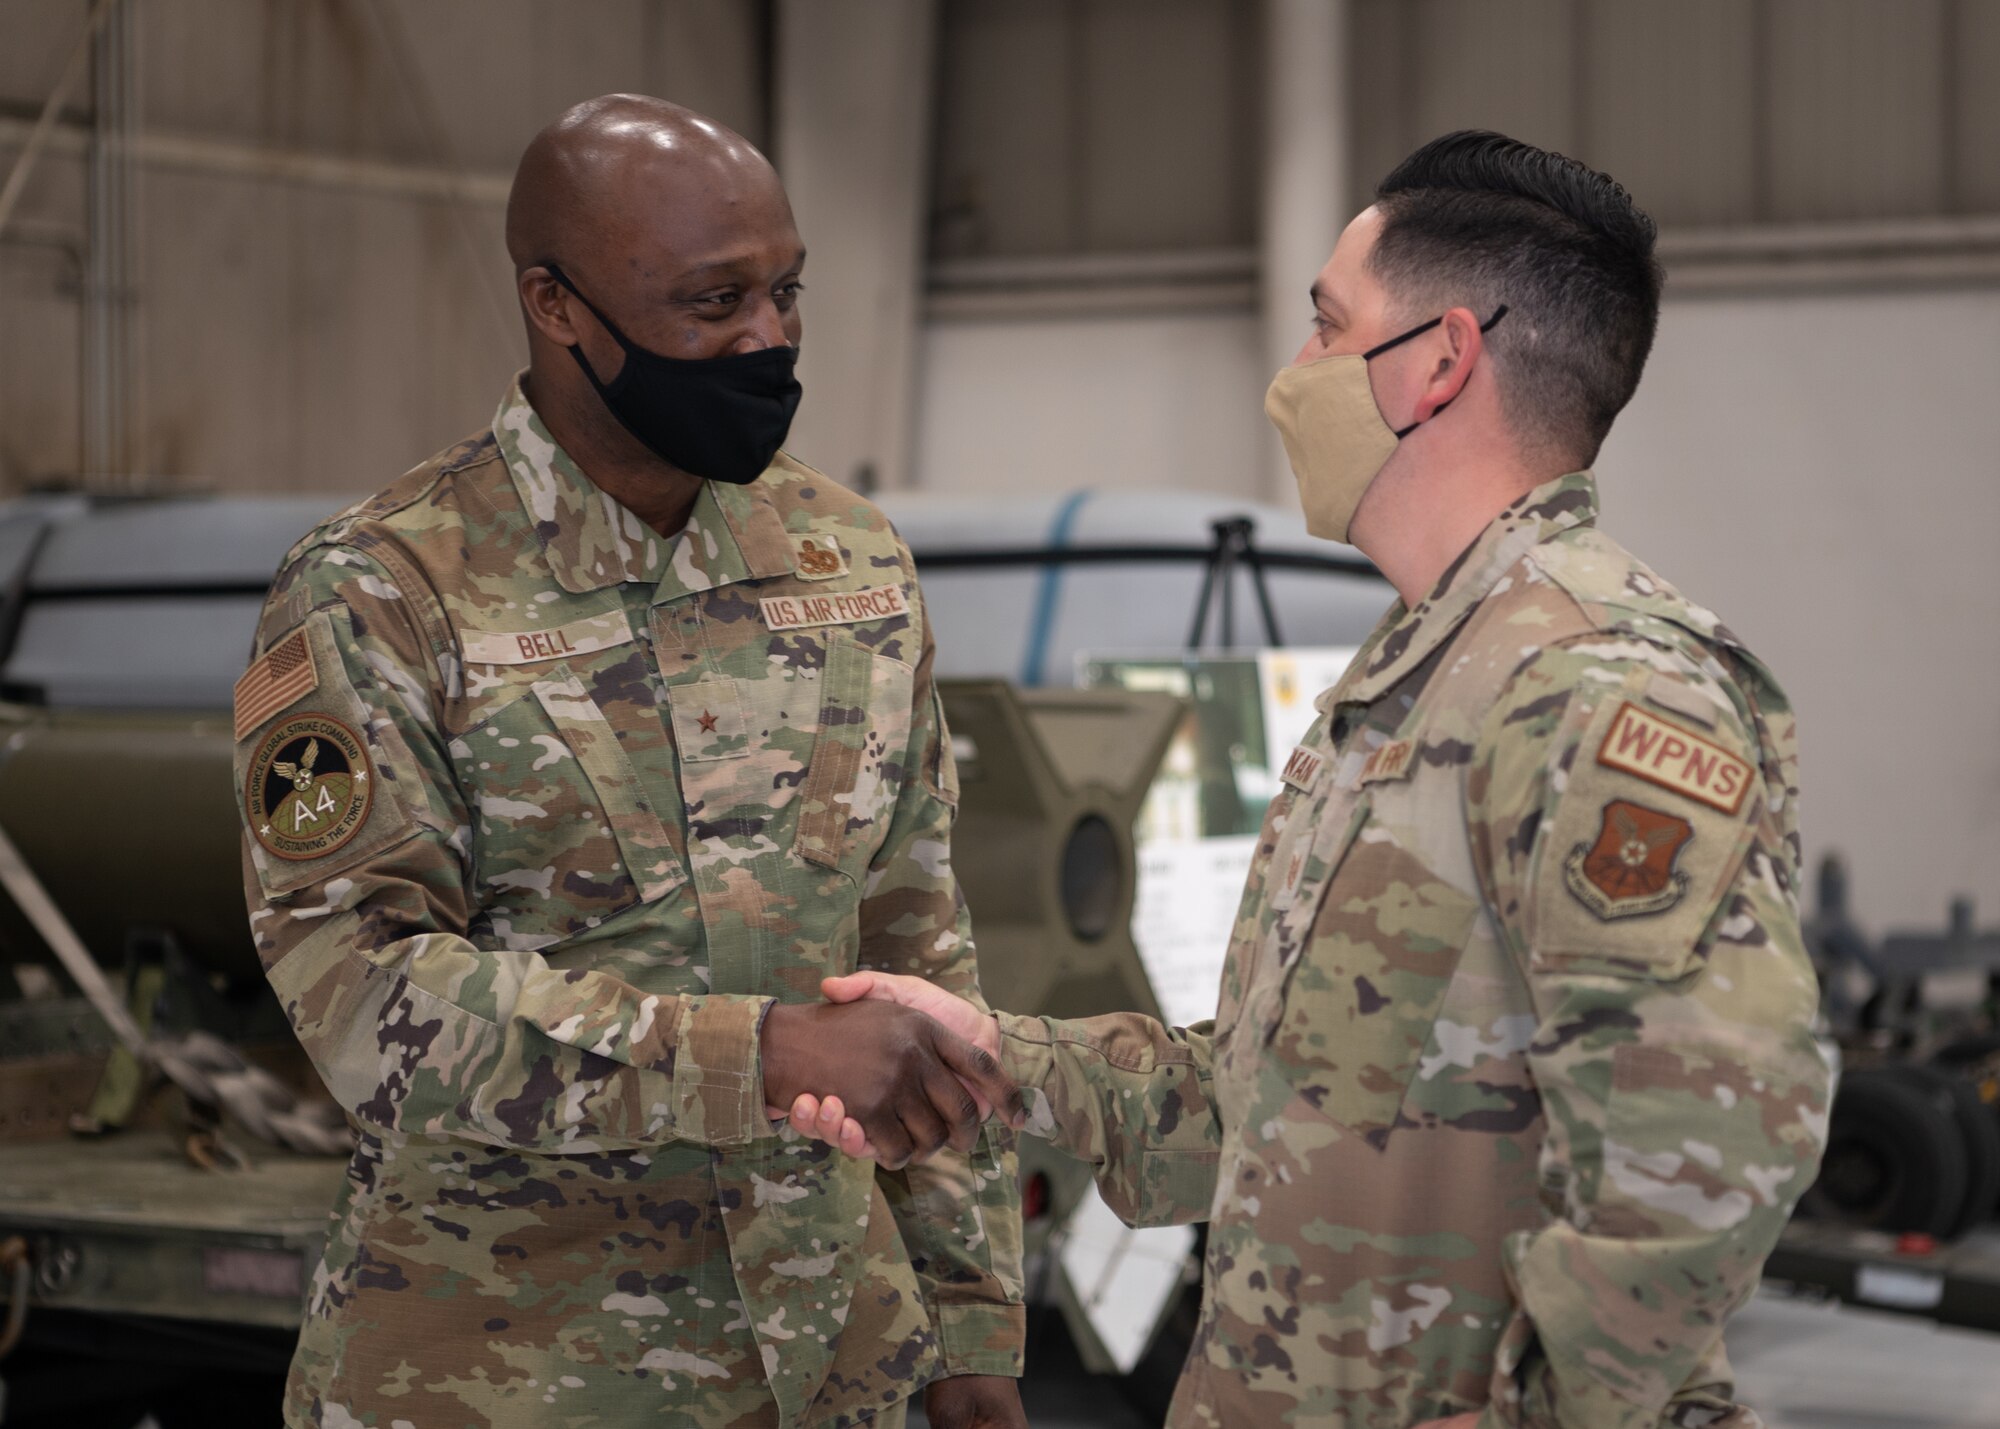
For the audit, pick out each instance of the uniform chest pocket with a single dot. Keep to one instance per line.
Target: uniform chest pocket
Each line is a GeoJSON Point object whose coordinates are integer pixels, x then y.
{"type": "Point", "coordinates": [563, 835]}
{"type": "Point", "coordinates": [790, 763]}
{"type": "Point", "coordinates": [1363, 994]}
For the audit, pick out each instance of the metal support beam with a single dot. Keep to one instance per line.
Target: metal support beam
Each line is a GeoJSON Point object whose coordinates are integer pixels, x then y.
{"type": "Point", "coordinates": [45, 124]}
{"type": "Point", "coordinates": [1307, 148]}
{"type": "Point", "coordinates": [853, 123]}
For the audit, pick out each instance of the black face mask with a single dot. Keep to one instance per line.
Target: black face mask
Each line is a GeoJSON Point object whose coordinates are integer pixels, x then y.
{"type": "Point", "coordinates": [720, 418]}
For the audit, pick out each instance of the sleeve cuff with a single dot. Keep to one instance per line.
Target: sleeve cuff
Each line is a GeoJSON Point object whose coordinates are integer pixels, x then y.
{"type": "Point", "coordinates": [1575, 1403]}
{"type": "Point", "coordinates": [719, 1071]}
{"type": "Point", "coordinates": [1027, 1056]}
{"type": "Point", "coordinates": [981, 1339]}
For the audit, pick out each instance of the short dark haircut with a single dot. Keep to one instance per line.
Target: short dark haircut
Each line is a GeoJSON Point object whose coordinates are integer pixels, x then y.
{"type": "Point", "coordinates": [1476, 219]}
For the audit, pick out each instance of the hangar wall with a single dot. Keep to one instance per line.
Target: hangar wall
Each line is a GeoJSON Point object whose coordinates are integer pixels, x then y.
{"type": "Point", "coordinates": [320, 292]}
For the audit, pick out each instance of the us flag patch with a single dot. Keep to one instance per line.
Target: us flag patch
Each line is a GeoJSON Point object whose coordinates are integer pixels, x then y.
{"type": "Point", "coordinates": [279, 676]}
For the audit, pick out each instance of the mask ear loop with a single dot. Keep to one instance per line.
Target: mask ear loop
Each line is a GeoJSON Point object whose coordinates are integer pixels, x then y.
{"type": "Point", "coordinates": [1375, 351]}
{"type": "Point", "coordinates": [576, 348]}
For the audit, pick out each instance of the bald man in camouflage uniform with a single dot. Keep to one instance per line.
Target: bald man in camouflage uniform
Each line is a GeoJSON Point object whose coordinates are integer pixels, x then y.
{"type": "Point", "coordinates": [1511, 1085]}
{"type": "Point", "coordinates": [566, 776]}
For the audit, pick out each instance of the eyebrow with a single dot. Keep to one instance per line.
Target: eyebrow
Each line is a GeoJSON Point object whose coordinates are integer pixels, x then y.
{"type": "Point", "coordinates": [730, 265]}
{"type": "Point", "coordinates": [1321, 298]}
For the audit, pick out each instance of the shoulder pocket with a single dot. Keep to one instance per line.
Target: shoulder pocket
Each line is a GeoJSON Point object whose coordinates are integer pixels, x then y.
{"type": "Point", "coordinates": [316, 769]}
{"type": "Point", "coordinates": [941, 764]}
{"type": "Point", "coordinates": [1647, 836]}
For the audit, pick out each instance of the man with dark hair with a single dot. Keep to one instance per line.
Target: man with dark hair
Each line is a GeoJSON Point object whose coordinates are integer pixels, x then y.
{"type": "Point", "coordinates": [569, 764]}
{"type": "Point", "coordinates": [1512, 1085]}
{"type": "Point", "coordinates": [1479, 220]}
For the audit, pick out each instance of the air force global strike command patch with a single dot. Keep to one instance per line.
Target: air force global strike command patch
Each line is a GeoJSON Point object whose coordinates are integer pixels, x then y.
{"type": "Point", "coordinates": [307, 790]}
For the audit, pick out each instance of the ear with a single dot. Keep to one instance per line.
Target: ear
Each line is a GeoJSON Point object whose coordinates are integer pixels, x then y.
{"type": "Point", "coordinates": [546, 303]}
{"type": "Point", "coordinates": [1455, 350]}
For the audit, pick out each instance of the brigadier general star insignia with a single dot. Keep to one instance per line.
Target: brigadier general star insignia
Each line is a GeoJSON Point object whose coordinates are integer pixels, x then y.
{"type": "Point", "coordinates": [1630, 869]}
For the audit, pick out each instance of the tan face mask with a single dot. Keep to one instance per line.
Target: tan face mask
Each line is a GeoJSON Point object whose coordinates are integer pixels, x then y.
{"type": "Point", "coordinates": [1334, 433]}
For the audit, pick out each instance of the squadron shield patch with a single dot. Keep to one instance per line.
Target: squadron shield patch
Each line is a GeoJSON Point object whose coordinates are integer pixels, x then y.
{"type": "Point", "coordinates": [307, 791]}
{"type": "Point", "coordinates": [1630, 869]}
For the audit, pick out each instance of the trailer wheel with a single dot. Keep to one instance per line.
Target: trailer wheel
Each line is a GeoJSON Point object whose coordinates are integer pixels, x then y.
{"type": "Point", "coordinates": [1978, 1122]}
{"type": "Point", "coordinates": [1969, 1053]}
{"type": "Point", "coordinates": [1976, 1059]}
{"type": "Point", "coordinates": [1895, 1159]}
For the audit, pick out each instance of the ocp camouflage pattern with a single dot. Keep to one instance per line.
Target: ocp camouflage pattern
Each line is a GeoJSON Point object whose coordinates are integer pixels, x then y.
{"type": "Point", "coordinates": [1462, 1138]}
{"type": "Point", "coordinates": [614, 816]}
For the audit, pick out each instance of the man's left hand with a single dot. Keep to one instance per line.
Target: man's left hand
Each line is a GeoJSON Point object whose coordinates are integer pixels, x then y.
{"type": "Point", "coordinates": [975, 1401]}
{"type": "Point", "coordinates": [1457, 1421]}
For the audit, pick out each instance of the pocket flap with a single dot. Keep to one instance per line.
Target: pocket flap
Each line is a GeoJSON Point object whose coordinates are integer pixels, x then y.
{"type": "Point", "coordinates": [708, 720]}
{"type": "Point", "coordinates": [1364, 993]}
{"type": "Point", "coordinates": [850, 792]}
{"type": "Point", "coordinates": [643, 841]}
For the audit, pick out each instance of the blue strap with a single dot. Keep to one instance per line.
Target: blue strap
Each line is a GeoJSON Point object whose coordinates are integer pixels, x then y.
{"type": "Point", "coordinates": [1047, 596]}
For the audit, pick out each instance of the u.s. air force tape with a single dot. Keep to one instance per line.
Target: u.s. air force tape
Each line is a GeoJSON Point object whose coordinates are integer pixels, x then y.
{"type": "Point", "coordinates": [836, 607]}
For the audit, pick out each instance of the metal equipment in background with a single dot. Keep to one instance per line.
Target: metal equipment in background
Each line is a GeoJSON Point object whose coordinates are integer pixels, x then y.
{"type": "Point", "coordinates": [1052, 781]}
{"type": "Point", "coordinates": [1902, 1215]}
{"type": "Point", "coordinates": [1029, 585]}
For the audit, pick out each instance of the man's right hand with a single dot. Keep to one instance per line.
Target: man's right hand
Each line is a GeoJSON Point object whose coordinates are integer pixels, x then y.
{"type": "Point", "coordinates": [823, 1114]}
{"type": "Point", "coordinates": [907, 1082]}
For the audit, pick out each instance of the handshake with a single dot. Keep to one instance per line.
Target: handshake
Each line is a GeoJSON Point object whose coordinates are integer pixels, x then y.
{"type": "Point", "coordinates": [889, 1067]}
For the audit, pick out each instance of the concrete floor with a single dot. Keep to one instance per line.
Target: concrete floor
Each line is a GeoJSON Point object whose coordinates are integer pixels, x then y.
{"type": "Point", "coordinates": [1807, 1366]}
{"type": "Point", "coordinates": [1801, 1365]}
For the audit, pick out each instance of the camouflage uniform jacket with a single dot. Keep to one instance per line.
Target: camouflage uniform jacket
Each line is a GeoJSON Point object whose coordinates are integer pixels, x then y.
{"type": "Point", "coordinates": [1511, 1085]}
{"type": "Point", "coordinates": [543, 811]}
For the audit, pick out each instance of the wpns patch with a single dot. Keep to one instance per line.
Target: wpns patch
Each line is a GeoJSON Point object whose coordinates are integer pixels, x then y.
{"type": "Point", "coordinates": [307, 791]}
{"type": "Point", "coordinates": [1630, 869]}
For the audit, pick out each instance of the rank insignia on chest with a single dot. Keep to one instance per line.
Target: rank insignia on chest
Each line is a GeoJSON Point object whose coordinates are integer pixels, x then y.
{"type": "Point", "coordinates": [308, 790]}
{"type": "Point", "coordinates": [1629, 870]}
{"type": "Point", "coordinates": [819, 558]}
{"type": "Point", "coordinates": [1391, 761]}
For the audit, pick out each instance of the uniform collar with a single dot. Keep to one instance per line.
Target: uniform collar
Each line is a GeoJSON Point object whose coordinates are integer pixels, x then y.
{"type": "Point", "coordinates": [1407, 636]}
{"type": "Point", "coordinates": [592, 541]}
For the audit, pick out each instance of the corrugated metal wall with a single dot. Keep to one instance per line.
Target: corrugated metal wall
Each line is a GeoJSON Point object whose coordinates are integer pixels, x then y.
{"type": "Point", "coordinates": [310, 313]}
{"type": "Point", "coordinates": [320, 331]}
{"type": "Point", "coordinates": [1716, 111]}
